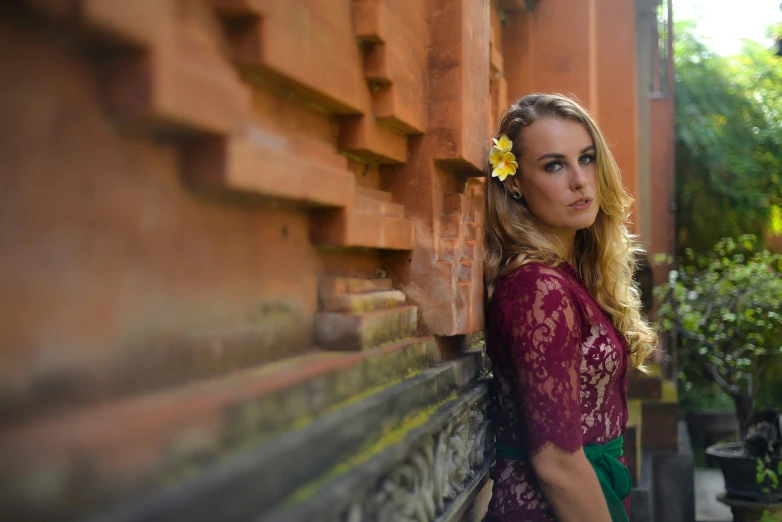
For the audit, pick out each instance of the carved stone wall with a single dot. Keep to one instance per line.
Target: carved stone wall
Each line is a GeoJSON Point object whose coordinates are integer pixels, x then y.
{"type": "Point", "coordinates": [236, 231]}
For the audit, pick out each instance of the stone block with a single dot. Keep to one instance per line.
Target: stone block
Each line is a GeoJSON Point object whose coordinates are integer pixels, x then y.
{"type": "Point", "coordinates": [464, 271]}
{"type": "Point", "coordinates": [361, 331]}
{"type": "Point", "coordinates": [458, 204]}
{"type": "Point", "coordinates": [363, 137]}
{"type": "Point", "coordinates": [362, 229]}
{"type": "Point", "coordinates": [318, 60]}
{"type": "Point", "coordinates": [363, 302]}
{"type": "Point", "coordinates": [640, 386]}
{"type": "Point", "coordinates": [660, 426]}
{"type": "Point", "coordinates": [642, 495]}
{"type": "Point", "coordinates": [631, 452]}
{"type": "Point", "coordinates": [472, 232]}
{"type": "Point", "coordinates": [380, 195]}
{"type": "Point", "coordinates": [376, 68]}
{"type": "Point", "coordinates": [257, 162]}
{"type": "Point", "coordinates": [451, 226]}
{"type": "Point", "coordinates": [458, 85]}
{"type": "Point", "coordinates": [378, 206]}
{"type": "Point", "coordinates": [449, 249]}
{"type": "Point", "coordinates": [333, 286]}
{"type": "Point", "coordinates": [673, 484]}
{"type": "Point", "coordinates": [370, 20]}
{"type": "Point", "coordinates": [176, 78]}
{"type": "Point", "coordinates": [468, 250]}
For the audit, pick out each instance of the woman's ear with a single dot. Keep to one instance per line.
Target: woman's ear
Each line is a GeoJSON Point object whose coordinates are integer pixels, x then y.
{"type": "Point", "coordinates": [513, 186]}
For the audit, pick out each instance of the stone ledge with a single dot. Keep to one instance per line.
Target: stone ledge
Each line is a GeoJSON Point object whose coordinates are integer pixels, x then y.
{"type": "Point", "coordinates": [353, 228]}
{"type": "Point", "coordinates": [258, 480]}
{"type": "Point", "coordinates": [360, 331]}
{"type": "Point", "coordinates": [363, 302]}
{"type": "Point", "coordinates": [135, 446]}
{"type": "Point", "coordinates": [434, 470]}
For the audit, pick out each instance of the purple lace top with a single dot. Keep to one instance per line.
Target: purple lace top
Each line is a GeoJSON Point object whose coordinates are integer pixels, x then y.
{"type": "Point", "coordinates": [559, 371]}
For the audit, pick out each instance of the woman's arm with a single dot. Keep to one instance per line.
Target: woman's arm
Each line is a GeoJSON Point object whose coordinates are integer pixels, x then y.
{"type": "Point", "coordinates": [543, 330]}
{"type": "Point", "coordinates": [570, 485]}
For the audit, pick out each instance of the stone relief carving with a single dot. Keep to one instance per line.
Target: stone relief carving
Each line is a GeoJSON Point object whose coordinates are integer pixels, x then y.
{"type": "Point", "coordinates": [419, 489]}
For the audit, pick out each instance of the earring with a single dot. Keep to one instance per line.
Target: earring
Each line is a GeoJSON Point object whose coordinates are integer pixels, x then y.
{"type": "Point", "coordinates": [516, 195]}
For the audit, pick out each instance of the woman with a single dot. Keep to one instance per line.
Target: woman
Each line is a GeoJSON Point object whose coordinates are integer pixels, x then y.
{"type": "Point", "coordinates": [563, 320]}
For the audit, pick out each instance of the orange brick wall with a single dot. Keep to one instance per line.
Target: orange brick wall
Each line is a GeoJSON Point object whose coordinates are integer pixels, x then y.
{"type": "Point", "coordinates": [183, 173]}
{"type": "Point", "coordinates": [662, 181]}
{"type": "Point", "coordinates": [584, 49]}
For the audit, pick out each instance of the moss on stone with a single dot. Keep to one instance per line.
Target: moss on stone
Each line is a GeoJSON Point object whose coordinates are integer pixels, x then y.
{"type": "Point", "coordinates": [388, 438]}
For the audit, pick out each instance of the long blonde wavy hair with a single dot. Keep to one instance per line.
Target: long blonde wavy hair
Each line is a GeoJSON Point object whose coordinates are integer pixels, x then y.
{"type": "Point", "coordinates": [605, 253]}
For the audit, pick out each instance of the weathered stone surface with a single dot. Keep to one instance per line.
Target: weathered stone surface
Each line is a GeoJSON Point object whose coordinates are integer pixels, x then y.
{"type": "Point", "coordinates": [458, 84]}
{"type": "Point", "coordinates": [640, 386]}
{"type": "Point", "coordinates": [360, 331]}
{"type": "Point", "coordinates": [178, 78]}
{"type": "Point", "coordinates": [430, 475]}
{"type": "Point", "coordinates": [330, 287]}
{"type": "Point", "coordinates": [353, 228]}
{"type": "Point", "coordinates": [138, 445]}
{"type": "Point", "coordinates": [256, 162]}
{"type": "Point", "coordinates": [260, 479]}
{"type": "Point", "coordinates": [363, 302]}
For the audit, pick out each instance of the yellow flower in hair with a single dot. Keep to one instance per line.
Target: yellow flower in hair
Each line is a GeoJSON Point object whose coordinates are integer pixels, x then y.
{"type": "Point", "coordinates": [504, 144]}
{"type": "Point", "coordinates": [502, 159]}
{"type": "Point", "coordinates": [505, 167]}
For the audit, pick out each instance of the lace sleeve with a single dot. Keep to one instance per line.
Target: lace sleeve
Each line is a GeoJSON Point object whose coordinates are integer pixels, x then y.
{"type": "Point", "coordinates": [542, 330]}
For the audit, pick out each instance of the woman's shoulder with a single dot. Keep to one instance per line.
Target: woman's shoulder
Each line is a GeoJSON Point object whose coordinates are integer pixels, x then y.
{"type": "Point", "coordinates": [535, 277]}
{"type": "Point", "coordinates": [535, 272]}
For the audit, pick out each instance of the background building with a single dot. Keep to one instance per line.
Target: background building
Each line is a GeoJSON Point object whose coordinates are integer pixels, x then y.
{"type": "Point", "coordinates": [241, 247]}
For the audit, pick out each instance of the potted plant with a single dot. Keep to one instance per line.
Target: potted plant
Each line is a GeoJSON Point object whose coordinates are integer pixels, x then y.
{"type": "Point", "coordinates": [725, 309]}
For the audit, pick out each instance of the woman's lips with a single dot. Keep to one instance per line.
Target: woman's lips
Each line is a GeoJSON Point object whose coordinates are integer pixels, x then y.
{"type": "Point", "coordinates": [581, 204]}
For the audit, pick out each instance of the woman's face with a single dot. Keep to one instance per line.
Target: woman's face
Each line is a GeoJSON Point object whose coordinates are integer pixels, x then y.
{"type": "Point", "coordinates": [558, 176]}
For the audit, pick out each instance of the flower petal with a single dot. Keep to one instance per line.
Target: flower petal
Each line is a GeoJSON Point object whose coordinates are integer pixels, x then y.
{"type": "Point", "coordinates": [495, 156]}
{"type": "Point", "coordinates": [504, 143]}
{"type": "Point", "coordinates": [498, 173]}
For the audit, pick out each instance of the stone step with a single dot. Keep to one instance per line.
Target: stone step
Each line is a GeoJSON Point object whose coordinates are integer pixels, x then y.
{"type": "Point", "coordinates": [280, 472]}
{"type": "Point", "coordinates": [363, 302]}
{"type": "Point", "coordinates": [354, 228]}
{"type": "Point", "coordinates": [378, 206]}
{"type": "Point", "coordinates": [134, 447]}
{"type": "Point", "coordinates": [361, 331]}
{"type": "Point", "coordinates": [374, 194]}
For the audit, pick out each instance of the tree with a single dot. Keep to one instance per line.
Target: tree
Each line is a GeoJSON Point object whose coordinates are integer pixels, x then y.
{"type": "Point", "coordinates": [726, 308]}
{"type": "Point", "coordinates": [728, 141]}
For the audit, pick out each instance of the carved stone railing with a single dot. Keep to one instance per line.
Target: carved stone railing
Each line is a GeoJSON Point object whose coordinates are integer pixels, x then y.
{"type": "Point", "coordinates": [432, 475]}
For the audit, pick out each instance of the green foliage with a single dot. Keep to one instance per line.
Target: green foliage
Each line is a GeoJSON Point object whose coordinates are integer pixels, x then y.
{"type": "Point", "coordinates": [728, 141]}
{"type": "Point", "coordinates": [727, 310]}
{"type": "Point", "coordinates": [696, 395]}
{"type": "Point", "coordinates": [769, 478]}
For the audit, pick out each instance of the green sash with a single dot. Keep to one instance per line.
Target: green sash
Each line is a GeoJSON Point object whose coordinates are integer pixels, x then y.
{"type": "Point", "coordinates": [614, 476]}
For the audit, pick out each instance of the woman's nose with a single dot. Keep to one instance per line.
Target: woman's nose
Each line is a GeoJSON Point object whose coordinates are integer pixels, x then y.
{"type": "Point", "coordinates": [578, 179]}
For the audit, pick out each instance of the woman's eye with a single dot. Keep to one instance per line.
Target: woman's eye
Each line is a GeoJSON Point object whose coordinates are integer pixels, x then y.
{"type": "Point", "coordinates": [553, 166]}
{"type": "Point", "coordinates": [586, 160]}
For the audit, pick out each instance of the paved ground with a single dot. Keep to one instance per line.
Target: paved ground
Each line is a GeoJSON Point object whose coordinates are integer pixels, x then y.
{"type": "Point", "coordinates": [709, 482]}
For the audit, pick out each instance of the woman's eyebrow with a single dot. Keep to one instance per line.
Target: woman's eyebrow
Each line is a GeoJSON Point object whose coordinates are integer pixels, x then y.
{"type": "Point", "coordinates": [560, 156]}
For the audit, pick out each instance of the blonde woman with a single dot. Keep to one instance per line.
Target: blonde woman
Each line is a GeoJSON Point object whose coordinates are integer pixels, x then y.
{"type": "Point", "coordinates": [562, 319]}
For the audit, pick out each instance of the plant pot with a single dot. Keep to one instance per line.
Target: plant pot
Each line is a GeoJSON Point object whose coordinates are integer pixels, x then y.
{"type": "Point", "coordinates": [740, 472]}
